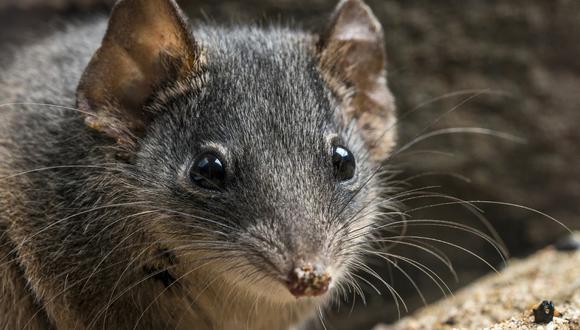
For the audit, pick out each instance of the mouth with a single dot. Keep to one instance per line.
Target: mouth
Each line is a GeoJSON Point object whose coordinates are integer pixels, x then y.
{"type": "Point", "coordinates": [308, 281]}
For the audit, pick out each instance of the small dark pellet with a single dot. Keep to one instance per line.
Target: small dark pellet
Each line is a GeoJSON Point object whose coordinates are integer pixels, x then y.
{"type": "Point", "coordinates": [544, 313]}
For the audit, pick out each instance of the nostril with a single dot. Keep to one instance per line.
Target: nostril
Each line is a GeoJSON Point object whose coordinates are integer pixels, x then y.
{"type": "Point", "coordinates": [308, 281]}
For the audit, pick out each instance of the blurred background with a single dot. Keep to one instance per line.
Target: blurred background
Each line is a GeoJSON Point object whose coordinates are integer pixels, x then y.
{"type": "Point", "coordinates": [512, 67]}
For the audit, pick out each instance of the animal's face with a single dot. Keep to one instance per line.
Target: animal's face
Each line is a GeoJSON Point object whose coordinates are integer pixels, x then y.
{"type": "Point", "coordinates": [259, 148]}
{"type": "Point", "coordinates": [261, 152]}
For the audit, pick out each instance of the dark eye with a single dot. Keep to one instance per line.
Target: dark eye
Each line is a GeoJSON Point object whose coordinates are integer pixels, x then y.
{"type": "Point", "coordinates": [344, 163]}
{"type": "Point", "coordinates": [208, 171]}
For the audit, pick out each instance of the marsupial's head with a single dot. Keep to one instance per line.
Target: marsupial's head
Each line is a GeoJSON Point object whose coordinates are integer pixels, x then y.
{"type": "Point", "coordinates": [255, 149]}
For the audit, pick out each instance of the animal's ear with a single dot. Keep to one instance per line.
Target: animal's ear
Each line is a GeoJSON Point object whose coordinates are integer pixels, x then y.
{"type": "Point", "coordinates": [147, 45]}
{"type": "Point", "coordinates": [353, 61]}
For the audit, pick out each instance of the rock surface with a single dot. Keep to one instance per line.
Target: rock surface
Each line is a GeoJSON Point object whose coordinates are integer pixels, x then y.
{"type": "Point", "coordinates": [505, 300]}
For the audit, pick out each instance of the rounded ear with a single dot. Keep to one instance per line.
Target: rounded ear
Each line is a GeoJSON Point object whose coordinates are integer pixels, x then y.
{"type": "Point", "coordinates": [353, 63]}
{"type": "Point", "coordinates": [147, 45]}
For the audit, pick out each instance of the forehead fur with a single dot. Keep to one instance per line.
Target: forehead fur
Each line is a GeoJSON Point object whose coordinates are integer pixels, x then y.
{"type": "Point", "coordinates": [264, 73]}
{"type": "Point", "coordinates": [263, 81]}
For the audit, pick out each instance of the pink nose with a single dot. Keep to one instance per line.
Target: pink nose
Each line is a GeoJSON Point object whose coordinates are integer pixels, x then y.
{"type": "Point", "coordinates": [307, 281]}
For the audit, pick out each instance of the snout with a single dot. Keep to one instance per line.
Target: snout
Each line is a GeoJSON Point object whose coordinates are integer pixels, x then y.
{"type": "Point", "coordinates": [309, 281]}
{"type": "Point", "coordinates": [298, 258]}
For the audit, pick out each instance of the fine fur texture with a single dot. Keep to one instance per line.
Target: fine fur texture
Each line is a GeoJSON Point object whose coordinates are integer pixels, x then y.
{"type": "Point", "coordinates": [99, 229]}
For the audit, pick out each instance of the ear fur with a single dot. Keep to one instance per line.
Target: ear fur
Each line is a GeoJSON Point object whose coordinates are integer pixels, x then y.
{"type": "Point", "coordinates": [353, 62]}
{"type": "Point", "coordinates": [147, 45]}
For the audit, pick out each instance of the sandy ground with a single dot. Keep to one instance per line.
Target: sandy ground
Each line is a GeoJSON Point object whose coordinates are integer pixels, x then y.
{"type": "Point", "coordinates": [506, 300]}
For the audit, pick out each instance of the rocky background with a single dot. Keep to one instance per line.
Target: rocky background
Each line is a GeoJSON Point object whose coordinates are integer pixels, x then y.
{"type": "Point", "coordinates": [508, 68]}
{"type": "Point", "coordinates": [513, 299]}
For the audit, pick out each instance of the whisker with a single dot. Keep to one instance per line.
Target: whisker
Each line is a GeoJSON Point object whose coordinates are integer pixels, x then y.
{"type": "Point", "coordinates": [48, 168]}
{"type": "Point", "coordinates": [217, 223]}
{"type": "Point", "coordinates": [440, 173]}
{"type": "Point", "coordinates": [447, 263]}
{"type": "Point", "coordinates": [432, 275]}
{"type": "Point", "coordinates": [471, 92]}
{"type": "Point", "coordinates": [501, 250]}
{"type": "Point", "coordinates": [55, 106]}
{"type": "Point", "coordinates": [459, 130]}
{"type": "Point", "coordinates": [450, 244]}
{"type": "Point", "coordinates": [76, 215]}
{"type": "Point", "coordinates": [409, 278]}
{"type": "Point", "coordinates": [112, 299]}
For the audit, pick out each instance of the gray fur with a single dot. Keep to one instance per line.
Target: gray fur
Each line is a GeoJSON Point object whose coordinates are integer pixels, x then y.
{"type": "Point", "coordinates": [262, 104]}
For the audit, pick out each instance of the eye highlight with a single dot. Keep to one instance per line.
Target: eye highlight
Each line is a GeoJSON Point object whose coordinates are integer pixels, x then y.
{"type": "Point", "coordinates": [208, 171]}
{"type": "Point", "coordinates": [343, 162]}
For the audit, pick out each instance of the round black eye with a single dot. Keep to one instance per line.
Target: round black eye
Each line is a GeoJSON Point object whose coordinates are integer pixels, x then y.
{"type": "Point", "coordinates": [344, 163]}
{"type": "Point", "coordinates": [208, 171]}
